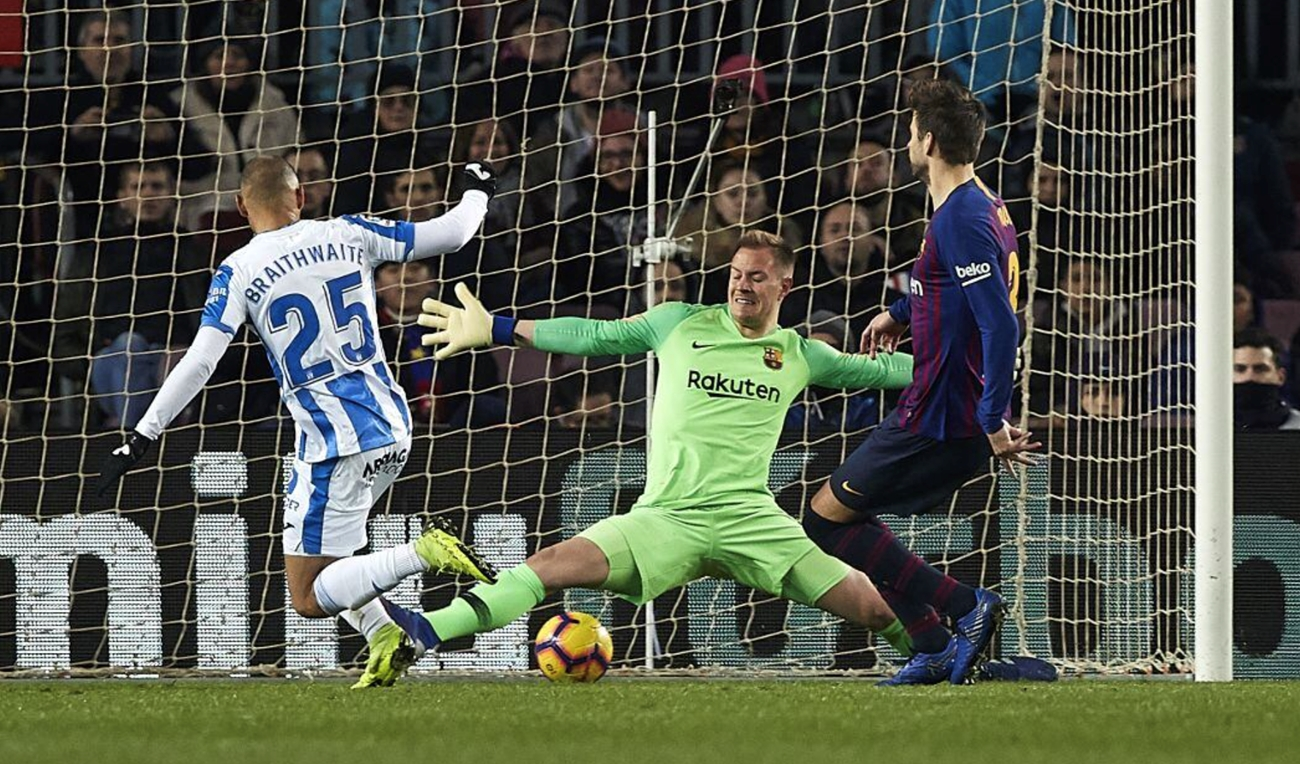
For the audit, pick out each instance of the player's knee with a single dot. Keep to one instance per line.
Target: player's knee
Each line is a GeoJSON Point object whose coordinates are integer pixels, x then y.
{"type": "Point", "coordinates": [304, 604]}
{"type": "Point", "coordinates": [830, 508]}
{"type": "Point", "coordinates": [308, 609]}
{"type": "Point", "coordinates": [873, 611]}
{"type": "Point", "coordinates": [823, 532]}
{"type": "Point", "coordinates": [548, 564]}
{"type": "Point", "coordinates": [576, 562]}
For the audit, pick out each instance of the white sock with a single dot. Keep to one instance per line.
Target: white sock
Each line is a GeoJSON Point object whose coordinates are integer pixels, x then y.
{"type": "Point", "coordinates": [353, 581]}
{"type": "Point", "coordinates": [367, 619]}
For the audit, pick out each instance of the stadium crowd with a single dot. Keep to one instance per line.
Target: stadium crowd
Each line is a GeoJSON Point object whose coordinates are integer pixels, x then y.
{"type": "Point", "coordinates": [120, 202]}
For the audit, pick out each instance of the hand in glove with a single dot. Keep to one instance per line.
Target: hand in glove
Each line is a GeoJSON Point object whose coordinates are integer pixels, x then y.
{"type": "Point", "coordinates": [123, 458]}
{"type": "Point", "coordinates": [462, 328]}
{"type": "Point", "coordinates": [479, 176]}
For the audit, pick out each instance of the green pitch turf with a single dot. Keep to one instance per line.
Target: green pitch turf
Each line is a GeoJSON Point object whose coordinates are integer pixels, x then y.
{"type": "Point", "coordinates": [627, 720]}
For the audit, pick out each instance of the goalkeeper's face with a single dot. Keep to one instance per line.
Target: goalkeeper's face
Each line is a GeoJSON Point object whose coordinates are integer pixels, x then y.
{"type": "Point", "coordinates": [758, 284]}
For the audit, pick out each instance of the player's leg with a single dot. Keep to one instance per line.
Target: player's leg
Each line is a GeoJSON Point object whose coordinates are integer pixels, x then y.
{"type": "Point", "coordinates": [637, 556]}
{"type": "Point", "coordinates": [819, 580]}
{"type": "Point", "coordinates": [575, 562]}
{"type": "Point", "coordinates": [899, 472]}
{"type": "Point", "coordinates": [894, 472]}
{"type": "Point", "coordinates": [326, 509]}
{"type": "Point", "coordinates": [868, 545]}
{"type": "Point", "coordinates": [763, 547]}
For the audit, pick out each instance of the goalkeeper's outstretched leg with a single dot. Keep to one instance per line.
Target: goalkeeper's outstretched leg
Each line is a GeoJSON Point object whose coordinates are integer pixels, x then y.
{"type": "Point", "coordinates": [606, 557]}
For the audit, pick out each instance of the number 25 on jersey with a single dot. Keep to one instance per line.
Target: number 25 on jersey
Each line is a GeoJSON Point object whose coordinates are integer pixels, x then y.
{"type": "Point", "coordinates": [343, 315]}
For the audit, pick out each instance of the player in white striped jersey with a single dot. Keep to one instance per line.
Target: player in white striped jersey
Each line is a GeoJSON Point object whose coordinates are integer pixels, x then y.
{"type": "Point", "coordinates": [307, 289]}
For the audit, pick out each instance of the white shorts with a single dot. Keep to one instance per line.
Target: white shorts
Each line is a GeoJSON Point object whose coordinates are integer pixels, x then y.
{"type": "Point", "coordinates": [327, 503]}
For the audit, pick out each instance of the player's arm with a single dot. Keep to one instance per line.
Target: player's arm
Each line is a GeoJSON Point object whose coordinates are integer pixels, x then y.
{"type": "Point", "coordinates": [222, 312]}
{"type": "Point", "coordinates": [471, 326]}
{"type": "Point", "coordinates": [184, 382]}
{"type": "Point", "coordinates": [400, 241]}
{"type": "Point", "coordinates": [990, 301]}
{"type": "Point", "coordinates": [829, 367]}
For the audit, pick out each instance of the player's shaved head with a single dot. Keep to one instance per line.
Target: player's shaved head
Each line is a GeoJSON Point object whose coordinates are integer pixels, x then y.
{"type": "Point", "coordinates": [267, 180]}
{"type": "Point", "coordinates": [269, 194]}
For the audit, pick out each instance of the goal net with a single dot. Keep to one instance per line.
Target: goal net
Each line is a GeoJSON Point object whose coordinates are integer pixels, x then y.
{"type": "Point", "coordinates": [124, 136]}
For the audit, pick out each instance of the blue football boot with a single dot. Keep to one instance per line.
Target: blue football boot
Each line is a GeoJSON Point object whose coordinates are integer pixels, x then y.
{"type": "Point", "coordinates": [974, 634]}
{"type": "Point", "coordinates": [925, 668]}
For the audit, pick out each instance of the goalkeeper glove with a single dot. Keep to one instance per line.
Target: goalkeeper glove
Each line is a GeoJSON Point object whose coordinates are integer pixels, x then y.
{"type": "Point", "coordinates": [463, 328]}
{"type": "Point", "coordinates": [123, 458]}
{"type": "Point", "coordinates": [480, 177]}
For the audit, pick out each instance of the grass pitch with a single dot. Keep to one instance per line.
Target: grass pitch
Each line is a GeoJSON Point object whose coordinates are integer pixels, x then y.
{"type": "Point", "coordinates": [628, 720]}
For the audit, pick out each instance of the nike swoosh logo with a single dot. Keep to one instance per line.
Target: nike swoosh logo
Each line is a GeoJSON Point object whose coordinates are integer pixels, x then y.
{"type": "Point", "coordinates": [845, 486]}
{"type": "Point", "coordinates": [700, 345]}
{"type": "Point", "coordinates": [478, 172]}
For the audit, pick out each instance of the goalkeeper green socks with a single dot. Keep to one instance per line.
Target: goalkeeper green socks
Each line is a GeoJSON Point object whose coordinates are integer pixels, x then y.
{"type": "Point", "coordinates": [896, 635]}
{"type": "Point", "coordinates": [489, 606]}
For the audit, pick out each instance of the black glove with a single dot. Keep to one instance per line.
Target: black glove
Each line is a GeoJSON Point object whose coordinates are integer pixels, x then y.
{"type": "Point", "coordinates": [123, 458]}
{"type": "Point", "coordinates": [479, 176]}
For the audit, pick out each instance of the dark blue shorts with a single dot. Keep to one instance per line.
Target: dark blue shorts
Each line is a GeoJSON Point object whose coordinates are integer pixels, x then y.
{"type": "Point", "coordinates": [898, 472]}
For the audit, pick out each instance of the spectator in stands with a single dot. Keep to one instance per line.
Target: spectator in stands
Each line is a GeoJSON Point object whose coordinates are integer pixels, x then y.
{"type": "Point", "coordinates": [884, 111]}
{"type": "Point", "coordinates": [594, 261]}
{"type": "Point", "coordinates": [1060, 87]}
{"type": "Point", "coordinates": [106, 116]}
{"type": "Point", "coordinates": [670, 282]}
{"type": "Point", "coordinates": [526, 83]}
{"type": "Point", "coordinates": [870, 179]}
{"type": "Point", "coordinates": [737, 200]}
{"type": "Point", "coordinates": [827, 409]}
{"type": "Point", "coordinates": [381, 138]}
{"type": "Point", "coordinates": [144, 286]}
{"type": "Point", "coordinates": [1102, 390]}
{"type": "Point", "coordinates": [752, 137]}
{"type": "Point", "coordinates": [345, 42]}
{"type": "Point", "coordinates": [413, 195]}
{"type": "Point", "coordinates": [563, 147]}
{"type": "Point", "coordinates": [238, 112]}
{"type": "Point", "coordinates": [1264, 222]}
{"type": "Point", "coordinates": [1078, 321]}
{"type": "Point", "coordinates": [995, 47]}
{"type": "Point", "coordinates": [484, 264]}
{"type": "Point", "coordinates": [316, 180]}
{"type": "Point", "coordinates": [1245, 312]}
{"type": "Point", "coordinates": [438, 391]}
{"type": "Point", "coordinates": [399, 289]}
{"type": "Point", "coordinates": [1058, 229]}
{"type": "Point", "coordinates": [848, 275]}
{"type": "Point", "coordinates": [1066, 143]}
{"type": "Point", "coordinates": [491, 262]}
{"type": "Point", "coordinates": [495, 142]}
{"type": "Point", "coordinates": [1258, 376]}
{"type": "Point", "coordinates": [587, 401]}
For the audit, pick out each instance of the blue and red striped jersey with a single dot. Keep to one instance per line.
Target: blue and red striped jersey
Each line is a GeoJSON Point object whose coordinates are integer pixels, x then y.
{"type": "Point", "coordinates": [961, 307]}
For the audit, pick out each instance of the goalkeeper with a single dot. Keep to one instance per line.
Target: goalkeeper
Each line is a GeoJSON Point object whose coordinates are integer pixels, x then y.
{"type": "Point", "coordinates": [727, 376]}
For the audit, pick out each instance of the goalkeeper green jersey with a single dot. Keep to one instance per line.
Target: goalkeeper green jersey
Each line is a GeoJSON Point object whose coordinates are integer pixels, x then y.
{"type": "Point", "coordinates": [721, 398]}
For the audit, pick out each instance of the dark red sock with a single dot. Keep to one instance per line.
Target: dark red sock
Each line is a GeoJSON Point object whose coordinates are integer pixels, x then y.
{"type": "Point", "coordinates": [922, 623]}
{"type": "Point", "coordinates": [873, 549]}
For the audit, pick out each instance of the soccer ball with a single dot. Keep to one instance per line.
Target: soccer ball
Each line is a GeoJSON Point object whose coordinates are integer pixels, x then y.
{"type": "Point", "coordinates": [573, 647]}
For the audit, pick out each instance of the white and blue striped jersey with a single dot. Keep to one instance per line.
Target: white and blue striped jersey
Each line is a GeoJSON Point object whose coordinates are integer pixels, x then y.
{"type": "Point", "coordinates": [308, 291]}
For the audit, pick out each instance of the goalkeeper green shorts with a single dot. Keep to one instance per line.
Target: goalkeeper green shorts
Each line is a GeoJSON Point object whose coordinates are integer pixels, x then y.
{"type": "Point", "coordinates": [652, 550]}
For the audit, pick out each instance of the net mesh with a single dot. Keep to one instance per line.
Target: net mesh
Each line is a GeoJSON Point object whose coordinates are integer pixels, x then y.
{"type": "Point", "coordinates": [124, 135]}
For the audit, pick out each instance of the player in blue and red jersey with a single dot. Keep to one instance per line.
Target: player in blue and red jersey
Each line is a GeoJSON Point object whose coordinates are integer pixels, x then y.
{"type": "Point", "coordinates": [961, 310]}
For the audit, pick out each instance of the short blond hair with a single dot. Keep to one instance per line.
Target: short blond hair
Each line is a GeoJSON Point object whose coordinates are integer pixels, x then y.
{"type": "Point", "coordinates": [266, 179]}
{"type": "Point", "coordinates": [757, 239]}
